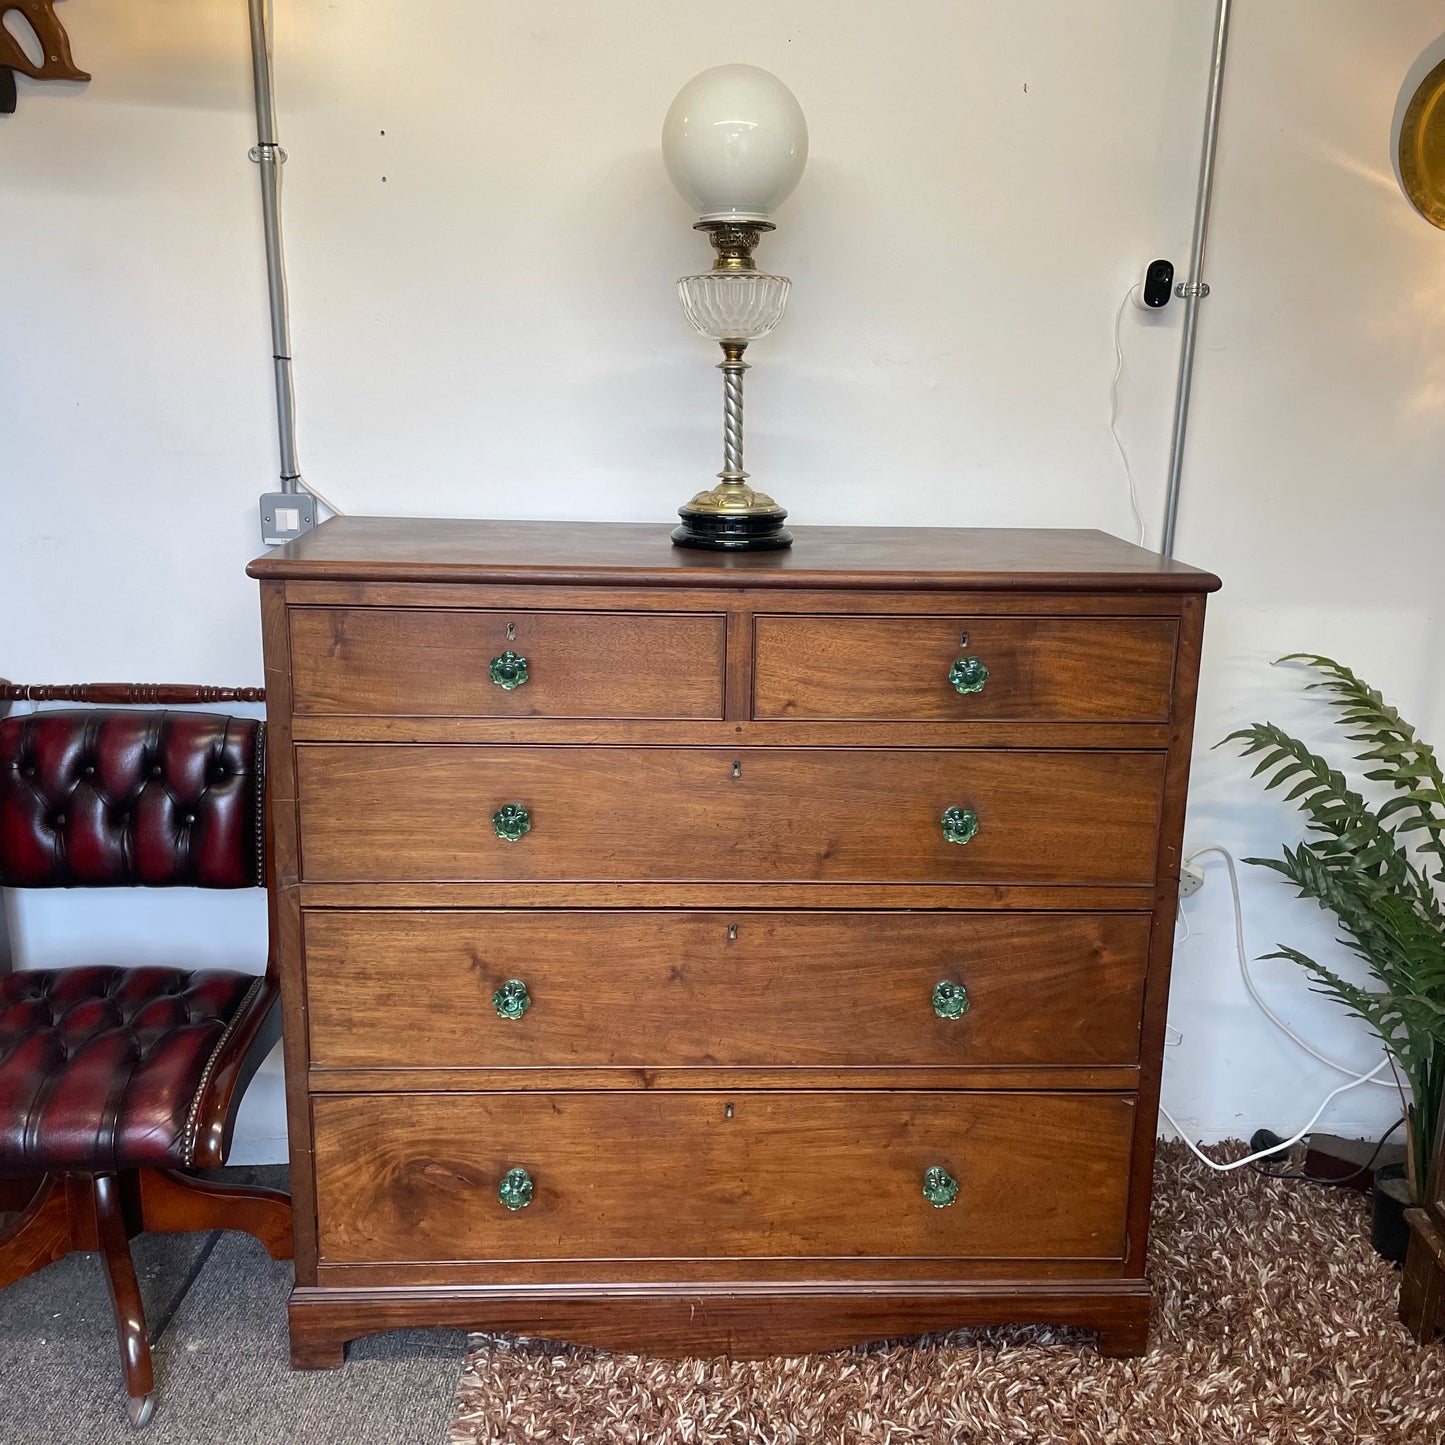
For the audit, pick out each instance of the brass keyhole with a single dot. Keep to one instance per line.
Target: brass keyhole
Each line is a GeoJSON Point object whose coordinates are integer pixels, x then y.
{"type": "Point", "coordinates": [737, 769]}
{"type": "Point", "coordinates": [732, 932]}
{"type": "Point", "coordinates": [963, 638]}
{"type": "Point", "coordinates": [727, 1111]}
{"type": "Point", "coordinates": [512, 632]}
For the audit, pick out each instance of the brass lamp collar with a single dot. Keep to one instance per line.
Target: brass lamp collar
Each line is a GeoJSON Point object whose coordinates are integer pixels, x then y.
{"type": "Point", "coordinates": [734, 241]}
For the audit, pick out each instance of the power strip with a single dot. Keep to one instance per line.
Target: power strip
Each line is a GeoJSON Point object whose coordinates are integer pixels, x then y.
{"type": "Point", "coordinates": [1191, 880]}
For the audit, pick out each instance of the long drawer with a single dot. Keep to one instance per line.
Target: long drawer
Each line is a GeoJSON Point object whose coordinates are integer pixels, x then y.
{"type": "Point", "coordinates": [414, 1178]}
{"type": "Point", "coordinates": [384, 812]}
{"type": "Point", "coordinates": [440, 989]}
{"type": "Point", "coordinates": [423, 662]}
{"type": "Point", "coordinates": [965, 669]}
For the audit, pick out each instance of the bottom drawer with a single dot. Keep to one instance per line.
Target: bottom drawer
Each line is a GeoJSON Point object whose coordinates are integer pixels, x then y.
{"type": "Point", "coordinates": [697, 1175]}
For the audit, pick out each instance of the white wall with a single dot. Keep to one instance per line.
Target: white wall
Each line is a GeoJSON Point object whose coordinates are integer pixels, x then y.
{"type": "Point", "coordinates": [482, 243]}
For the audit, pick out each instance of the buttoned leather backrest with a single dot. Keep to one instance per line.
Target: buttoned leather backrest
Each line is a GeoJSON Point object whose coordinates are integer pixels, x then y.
{"type": "Point", "coordinates": [105, 798]}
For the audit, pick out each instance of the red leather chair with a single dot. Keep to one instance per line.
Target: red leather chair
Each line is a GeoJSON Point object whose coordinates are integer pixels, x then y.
{"type": "Point", "coordinates": [117, 1082]}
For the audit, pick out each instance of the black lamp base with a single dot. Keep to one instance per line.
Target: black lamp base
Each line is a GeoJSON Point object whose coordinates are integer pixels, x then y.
{"type": "Point", "coordinates": [718, 532]}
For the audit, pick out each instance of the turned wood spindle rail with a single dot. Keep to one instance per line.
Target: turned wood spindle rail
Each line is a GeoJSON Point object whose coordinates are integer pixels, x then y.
{"type": "Point", "coordinates": [139, 693]}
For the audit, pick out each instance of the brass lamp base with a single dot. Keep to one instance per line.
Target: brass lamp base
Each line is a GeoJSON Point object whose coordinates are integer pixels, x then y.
{"type": "Point", "coordinates": [732, 517]}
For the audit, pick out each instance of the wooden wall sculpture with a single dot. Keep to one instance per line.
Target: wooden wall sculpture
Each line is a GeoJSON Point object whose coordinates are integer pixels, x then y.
{"type": "Point", "coordinates": [55, 60]}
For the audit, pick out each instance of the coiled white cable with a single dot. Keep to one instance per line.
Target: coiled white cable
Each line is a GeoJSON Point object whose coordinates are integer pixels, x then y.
{"type": "Point", "coordinates": [1285, 1143]}
{"type": "Point", "coordinates": [1354, 1081]}
{"type": "Point", "coordinates": [1248, 978]}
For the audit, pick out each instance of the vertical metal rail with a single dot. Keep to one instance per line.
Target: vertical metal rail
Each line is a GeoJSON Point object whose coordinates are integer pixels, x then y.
{"type": "Point", "coordinates": [1194, 289]}
{"type": "Point", "coordinates": [268, 154]}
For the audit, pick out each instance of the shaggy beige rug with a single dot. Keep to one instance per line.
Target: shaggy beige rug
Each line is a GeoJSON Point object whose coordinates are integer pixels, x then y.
{"type": "Point", "coordinates": [1274, 1322]}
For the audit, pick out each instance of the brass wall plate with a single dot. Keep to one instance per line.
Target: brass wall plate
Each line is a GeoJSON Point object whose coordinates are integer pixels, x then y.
{"type": "Point", "coordinates": [1422, 148]}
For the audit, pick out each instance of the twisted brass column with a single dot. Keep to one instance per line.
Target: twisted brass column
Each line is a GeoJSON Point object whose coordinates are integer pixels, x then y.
{"type": "Point", "coordinates": [732, 367]}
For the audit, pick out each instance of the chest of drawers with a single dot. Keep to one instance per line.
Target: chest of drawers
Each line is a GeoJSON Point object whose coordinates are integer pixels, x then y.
{"type": "Point", "coordinates": [695, 953]}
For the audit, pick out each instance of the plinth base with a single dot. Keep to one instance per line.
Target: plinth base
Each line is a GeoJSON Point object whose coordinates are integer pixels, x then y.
{"type": "Point", "coordinates": [742, 1321]}
{"type": "Point", "coordinates": [740, 532]}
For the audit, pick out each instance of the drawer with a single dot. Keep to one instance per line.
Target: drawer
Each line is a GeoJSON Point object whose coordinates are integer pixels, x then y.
{"type": "Point", "coordinates": [695, 1175]}
{"type": "Point", "coordinates": [397, 989]}
{"type": "Point", "coordinates": [1039, 669]}
{"type": "Point", "coordinates": [383, 661]}
{"type": "Point", "coordinates": [388, 812]}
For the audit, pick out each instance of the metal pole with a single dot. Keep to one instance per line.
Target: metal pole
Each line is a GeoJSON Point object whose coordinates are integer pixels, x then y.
{"type": "Point", "coordinates": [269, 156]}
{"type": "Point", "coordinates": [1194, 289]}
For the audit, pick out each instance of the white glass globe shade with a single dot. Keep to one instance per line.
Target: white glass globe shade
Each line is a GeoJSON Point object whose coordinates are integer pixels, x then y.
{"type": "Point", "coordinates": [735, 143]}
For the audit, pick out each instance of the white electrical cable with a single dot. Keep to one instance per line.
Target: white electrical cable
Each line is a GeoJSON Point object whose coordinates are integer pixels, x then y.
{"type": "Point", "coordinates": [1114, 411]}
{"type": "Point", "coordinates": [1354, 1081]}
{"type": "Point", "coordinates": [1284, 1143]}
{"type": "Point", "coordinates": [325, 501]}
{"type": "Point", "coordinates": [1254, 992]}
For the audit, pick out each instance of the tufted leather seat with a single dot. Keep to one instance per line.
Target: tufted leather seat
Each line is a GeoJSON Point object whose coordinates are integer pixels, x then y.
{"type": "Point", "coordinates": [108, 1068]}
{"type": "Point", "coordinates": [113, 1081]}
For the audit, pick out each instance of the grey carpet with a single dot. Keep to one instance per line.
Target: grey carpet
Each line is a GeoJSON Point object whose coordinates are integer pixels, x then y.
{"type": "Point", "coordinates": [222, 1371]}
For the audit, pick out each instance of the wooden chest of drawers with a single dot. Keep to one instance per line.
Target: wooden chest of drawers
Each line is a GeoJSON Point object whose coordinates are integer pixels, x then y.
{"type": "Point", "coordinates": [686, 952]}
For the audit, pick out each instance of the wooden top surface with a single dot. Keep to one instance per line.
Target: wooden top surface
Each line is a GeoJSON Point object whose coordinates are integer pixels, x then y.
{"type": "Point", "coordinates": [428, 549]}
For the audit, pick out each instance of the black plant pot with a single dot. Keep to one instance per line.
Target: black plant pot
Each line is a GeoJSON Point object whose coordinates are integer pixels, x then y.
{"type": "Point", "coordinates": [1391, 1198]}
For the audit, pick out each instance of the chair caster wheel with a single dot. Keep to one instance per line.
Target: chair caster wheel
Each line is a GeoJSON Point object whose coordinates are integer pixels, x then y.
{"type": "Point", "coordinates": [139, 1409]}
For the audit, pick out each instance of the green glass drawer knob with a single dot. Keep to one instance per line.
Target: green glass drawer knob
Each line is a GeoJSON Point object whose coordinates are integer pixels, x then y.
{"type": "Point", "coordinates": [515, 1190]}
{"type": "Point", "coordinates": [968, 674]}
{"type": "Point", "coordinates": [950, 1000]}
{"type": "Point", "coordinates": [510, 821]}
{"type": "Point", "coordinates": [512, 1000]}
{"type": "Point", "coordinates": [940, 1188]}
{"type": "Point", "coordinates": [959, 824]}
{"type": "Point", "coordinates": [509, 670]}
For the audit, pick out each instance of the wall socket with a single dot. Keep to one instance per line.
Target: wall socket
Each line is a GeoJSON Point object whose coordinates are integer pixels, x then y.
{"type": "Point", "coordinates": [1191, 880]}
{"type": "Point", "coordinates": [286, 516]}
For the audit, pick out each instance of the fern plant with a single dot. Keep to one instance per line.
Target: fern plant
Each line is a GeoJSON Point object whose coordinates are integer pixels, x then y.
{"type": "Point", "coordinates": [1378, 870]}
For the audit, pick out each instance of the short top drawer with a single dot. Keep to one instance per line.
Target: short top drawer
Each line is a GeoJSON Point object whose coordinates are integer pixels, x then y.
{"type": "Point", "coordinates": [1026, 669]}
{"type": "Point", "coordinates": [420, 662]}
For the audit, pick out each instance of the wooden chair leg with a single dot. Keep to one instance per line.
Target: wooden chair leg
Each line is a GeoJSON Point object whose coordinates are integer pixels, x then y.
{"type": "Point", "coordinates": [15, 1194]}
{"type": "Point", "coordinates": [40, 1235]}
{"type": "Point", "coordinates": [130, 1321]}
{"type": "Point", "coordinates": [176, 1202]}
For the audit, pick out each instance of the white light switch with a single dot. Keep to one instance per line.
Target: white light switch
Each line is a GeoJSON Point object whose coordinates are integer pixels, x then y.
{"type": "Point", "coordinates": [285, 516]}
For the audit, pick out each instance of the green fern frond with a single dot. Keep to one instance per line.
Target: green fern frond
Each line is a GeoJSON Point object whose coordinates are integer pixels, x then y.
{"type": "Point", "coordinates": [1364, 865]}
{"type": "Point", "coordinates": [1354, 832]}
{"type": "Point", "coordinates": [1410, 765]}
